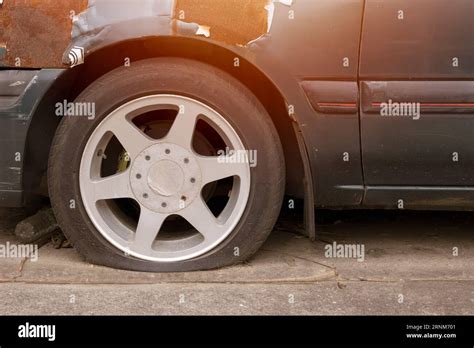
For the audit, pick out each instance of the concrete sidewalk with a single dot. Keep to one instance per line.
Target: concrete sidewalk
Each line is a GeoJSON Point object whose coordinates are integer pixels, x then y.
{"type": "Point", "coordinates": [408, 268]}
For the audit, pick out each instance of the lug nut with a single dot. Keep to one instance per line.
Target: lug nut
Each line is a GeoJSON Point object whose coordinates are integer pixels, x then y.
{"type": "Point", "coordinates": [139, 176]}
{"type": "Point", "coordinates": [164, 205]}
{"type": "Point", "coordinates": [167, 151]}
{"type": "Point", "coordinates": [145, 195]}
{"type": "Point", "coordinates": [193, 180]}
{"type": "Point", "coordinates": [186, 160]}
{"type": "Point", "coordinates": [147, 158]}
{"type": "Point", "coordinates": [183, 198]}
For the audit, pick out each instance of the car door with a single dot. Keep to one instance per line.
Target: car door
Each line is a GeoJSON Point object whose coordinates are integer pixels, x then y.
{"type": "Point", "coordinates": [417, 93]}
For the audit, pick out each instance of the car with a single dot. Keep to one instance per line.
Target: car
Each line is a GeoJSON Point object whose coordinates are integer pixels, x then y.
{"type": "Point", "coordinates": [167, 133]}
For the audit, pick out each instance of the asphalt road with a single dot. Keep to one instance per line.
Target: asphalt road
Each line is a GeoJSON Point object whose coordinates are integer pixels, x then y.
{"type": "Point", "coordinates": [413, 263]}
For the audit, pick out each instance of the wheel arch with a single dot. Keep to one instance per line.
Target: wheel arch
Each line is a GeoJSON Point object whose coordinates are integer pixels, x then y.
{"type": "Point", "coordinates": [73, 81]}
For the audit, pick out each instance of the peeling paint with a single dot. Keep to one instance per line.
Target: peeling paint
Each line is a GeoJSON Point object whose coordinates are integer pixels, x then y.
{"type": "Point", "coordinates": [250, 16]}
{"type": "Point", "coordinates": [233, 22]}
{"type": "Point", "coordinates": [270, 8]}
{"type": "Point", "coordinates": [204, 31]}
{"type": "Point", "coordinates": [105, 22]}
{"type": "Point", "coordinates": [35, 33]}
{"type": "Point", "coordinates": [70, 29]}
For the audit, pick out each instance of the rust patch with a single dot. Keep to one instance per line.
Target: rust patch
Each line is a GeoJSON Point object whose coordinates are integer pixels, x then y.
{"type": "Point", "coordinates": [37, 32]}
{"type": "Point", "coordinates": [235, 22]}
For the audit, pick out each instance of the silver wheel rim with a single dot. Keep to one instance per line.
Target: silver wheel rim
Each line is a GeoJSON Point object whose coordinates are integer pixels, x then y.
{"type": "Point", "coordinates": [165, 177]}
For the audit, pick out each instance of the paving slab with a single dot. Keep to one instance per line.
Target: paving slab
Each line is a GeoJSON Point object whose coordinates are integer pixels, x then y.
{"type": "Point", "coordinates": [406, 254]}
{"type": "Point", "coordinates": [323, 298]}
{"type": "Point", "coordinates": [413, 246]}
{"type": "Point", "coordinates": [65, 266]}
{"type": "Point", "coordinates": [408, 245]}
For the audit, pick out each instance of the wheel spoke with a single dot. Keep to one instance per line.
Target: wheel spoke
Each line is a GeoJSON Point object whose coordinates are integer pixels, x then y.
{"type": "Point", "coordinates": [217, 168]}
{"type": "Point", "coordinates": [112, 187]}
{"type": "Point", "coordinates": [149, 225]}
{"type": "Point", "coordinates": [202, 219]}
{"type": "Point", "coordinates": [182, 130]}
{"type": "Point", "coordinates": [158, 168]}
{"type": "Point", "coordinates": [132, 139]}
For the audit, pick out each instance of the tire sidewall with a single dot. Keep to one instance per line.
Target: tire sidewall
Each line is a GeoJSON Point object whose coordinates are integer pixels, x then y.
{"type": "Point", "coordinates": [190, 79]}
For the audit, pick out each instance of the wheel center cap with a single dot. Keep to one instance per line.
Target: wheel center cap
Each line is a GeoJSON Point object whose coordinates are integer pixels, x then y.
{"type": "Point", "coordinates": [166, 178]}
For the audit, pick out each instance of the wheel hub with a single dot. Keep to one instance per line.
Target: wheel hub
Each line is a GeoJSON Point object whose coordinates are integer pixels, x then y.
{"type": "Point", "coordinates": [165, 178]}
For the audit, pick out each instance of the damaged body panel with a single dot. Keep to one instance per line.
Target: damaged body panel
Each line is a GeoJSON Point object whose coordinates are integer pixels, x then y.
{"type": "Point", "coordinates": [288, 41]}
{"type": "Point", "coordinates": [315, 53]}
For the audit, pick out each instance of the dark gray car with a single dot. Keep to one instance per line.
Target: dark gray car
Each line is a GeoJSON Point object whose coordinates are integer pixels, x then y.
{"type": "Point", "coordinates": [166, 133]}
